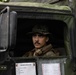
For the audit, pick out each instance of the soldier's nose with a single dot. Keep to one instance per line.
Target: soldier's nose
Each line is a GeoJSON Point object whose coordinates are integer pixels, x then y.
{"type": "Point", "coordinates": [36, 38]}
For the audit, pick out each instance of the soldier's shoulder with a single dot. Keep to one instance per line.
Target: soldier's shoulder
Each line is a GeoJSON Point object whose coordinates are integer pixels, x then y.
{"type": "Point", "coordinates": [50, 54]}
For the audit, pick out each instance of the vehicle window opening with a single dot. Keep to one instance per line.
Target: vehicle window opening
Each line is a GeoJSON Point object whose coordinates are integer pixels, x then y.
{"type": "Point", "coordinates": [24, 42]}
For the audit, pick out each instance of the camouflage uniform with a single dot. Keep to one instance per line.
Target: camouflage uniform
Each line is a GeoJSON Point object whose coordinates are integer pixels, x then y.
{"type": "Point", "coordinates": [46, 51]}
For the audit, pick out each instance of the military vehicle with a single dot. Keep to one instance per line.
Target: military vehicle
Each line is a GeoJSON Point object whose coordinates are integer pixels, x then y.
{"type": "Point", "coordinates": [17, 19]}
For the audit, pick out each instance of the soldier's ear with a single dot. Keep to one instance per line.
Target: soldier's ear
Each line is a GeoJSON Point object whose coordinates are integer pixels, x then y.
{"type": "Point", "coordinates": [47, 39]}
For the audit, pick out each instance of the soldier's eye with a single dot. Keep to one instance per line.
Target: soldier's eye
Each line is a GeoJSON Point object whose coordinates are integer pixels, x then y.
{"type": "Point", "coordinates": [40, 35]}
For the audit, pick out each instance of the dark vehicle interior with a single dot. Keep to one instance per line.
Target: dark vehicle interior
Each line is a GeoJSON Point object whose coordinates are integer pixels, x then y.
{"type": "Point", "coordinates": [24, 42]}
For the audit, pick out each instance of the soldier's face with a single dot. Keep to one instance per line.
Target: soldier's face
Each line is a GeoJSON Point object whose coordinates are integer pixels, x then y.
{"type": "Point", "coordinates": [39, 40]}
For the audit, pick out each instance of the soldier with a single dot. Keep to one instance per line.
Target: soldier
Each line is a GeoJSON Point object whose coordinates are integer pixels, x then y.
{"type": "Point", "coordinates": [40, 38]}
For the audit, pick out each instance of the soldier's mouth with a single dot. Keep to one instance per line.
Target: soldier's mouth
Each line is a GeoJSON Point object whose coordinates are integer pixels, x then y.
{"type": "Point", "coordinates": [37, 44]}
